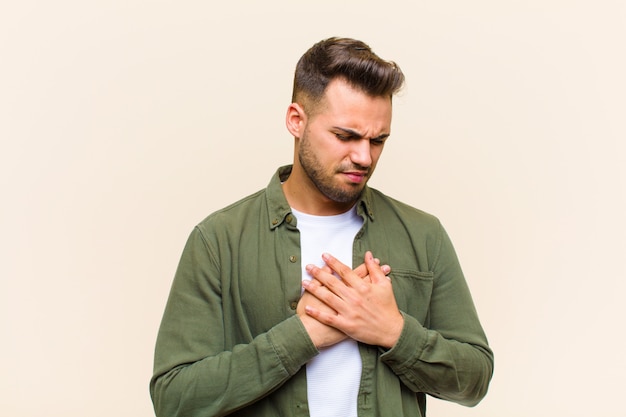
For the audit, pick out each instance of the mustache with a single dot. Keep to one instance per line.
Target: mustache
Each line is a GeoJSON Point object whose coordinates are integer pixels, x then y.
{"type": "Point", "coordinates": [352, 167]}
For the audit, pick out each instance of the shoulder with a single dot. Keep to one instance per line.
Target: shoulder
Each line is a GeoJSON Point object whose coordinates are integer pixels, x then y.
{"type": "Point", "coordinates": [234, 213]}
{"type": "Point", "coordinates": [388, 209]}
{"type": "Point", "coordinates": [409, 227]}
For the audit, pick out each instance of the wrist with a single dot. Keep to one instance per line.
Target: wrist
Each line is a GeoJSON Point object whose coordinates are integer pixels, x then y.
{"type": "Point", "coordinates": [394, 332]}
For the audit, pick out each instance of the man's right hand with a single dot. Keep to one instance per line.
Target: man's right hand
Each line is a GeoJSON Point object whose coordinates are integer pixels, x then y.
{"type": "Point", "coordinates": [321, 334]}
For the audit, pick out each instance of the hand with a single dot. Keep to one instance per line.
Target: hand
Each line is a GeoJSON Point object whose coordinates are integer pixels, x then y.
{"type": "Point", "coordinates": [361, 306]}
{"type": "Point", "coordinates": [323, 335]}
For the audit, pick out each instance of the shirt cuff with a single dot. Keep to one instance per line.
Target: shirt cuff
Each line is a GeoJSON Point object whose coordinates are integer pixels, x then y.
{"type": "Point", "coordinates": [410, 344]}
{"type": "Point", "coordinates": [292, 344]}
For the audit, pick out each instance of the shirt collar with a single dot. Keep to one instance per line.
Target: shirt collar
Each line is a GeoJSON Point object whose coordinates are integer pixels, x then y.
{"type": "Point", "coordinates": [279, 208]}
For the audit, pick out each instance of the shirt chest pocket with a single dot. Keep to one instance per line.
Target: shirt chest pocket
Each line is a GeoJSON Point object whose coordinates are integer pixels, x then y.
{"type": "Point", "coordinates": [413, 290]}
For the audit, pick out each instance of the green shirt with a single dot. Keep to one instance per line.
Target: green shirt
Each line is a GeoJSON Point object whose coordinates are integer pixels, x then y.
{"type": "Point", "coordinates": [230, 342]}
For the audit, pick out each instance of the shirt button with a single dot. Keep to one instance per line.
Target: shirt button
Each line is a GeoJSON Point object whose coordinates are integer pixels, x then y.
{"type": "Point", "coordinates": [275, 222]}
{"type": "Point", "coordinates": [293, 305]}
{"type": "Point", "coordinates": [289, 218]}
{"type": "Point", "coordinates": [293, 259]}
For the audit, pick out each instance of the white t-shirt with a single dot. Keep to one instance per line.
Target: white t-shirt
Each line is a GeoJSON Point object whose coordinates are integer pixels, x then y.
{"type": "Point", "coordinates": [333, 376]}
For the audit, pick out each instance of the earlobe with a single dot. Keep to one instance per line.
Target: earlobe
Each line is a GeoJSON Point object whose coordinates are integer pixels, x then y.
{"type": "Point", "coordinates": [295, 119]}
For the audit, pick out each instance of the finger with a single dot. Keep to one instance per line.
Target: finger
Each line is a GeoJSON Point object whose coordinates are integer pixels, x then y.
{"type": "Point", "coordinates": [327, 318]}
{"type": "Point", "coordinates": [328, 295]}
{"type": "Point", "coordinates": [344, 271]}
{"type": "Point", "coordinates": [361, 270]}
{"type": "Point", "coordinates": [376, 271]}
{"type": "Point", "coordinates": [324, 275]}
{"type": "Point", "coordinates": [323, 272]}
{"type": "Point", "coordinates": [309, 299]}
{"type": "Point", "coordinates": [324, 282]}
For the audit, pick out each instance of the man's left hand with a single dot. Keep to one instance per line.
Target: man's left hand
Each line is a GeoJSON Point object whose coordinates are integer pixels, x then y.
{"type": "Point", "coordinates": [366, 309]}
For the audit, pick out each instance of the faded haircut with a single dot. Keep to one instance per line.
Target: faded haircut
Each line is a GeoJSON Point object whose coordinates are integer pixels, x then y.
{"type": "Point", "coordinates": [349, 59]}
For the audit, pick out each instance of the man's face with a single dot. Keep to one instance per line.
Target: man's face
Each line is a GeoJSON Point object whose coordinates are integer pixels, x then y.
{"type": "Point", "coordinates": [343, 140]}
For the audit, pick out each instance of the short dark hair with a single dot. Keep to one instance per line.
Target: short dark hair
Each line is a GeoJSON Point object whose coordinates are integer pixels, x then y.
{"type": "Point", "coordinates": [349, 59]}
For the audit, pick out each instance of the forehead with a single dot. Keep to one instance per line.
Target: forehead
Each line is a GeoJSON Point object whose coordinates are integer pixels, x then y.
{"type": "Point", "coordinates": [350, 107]}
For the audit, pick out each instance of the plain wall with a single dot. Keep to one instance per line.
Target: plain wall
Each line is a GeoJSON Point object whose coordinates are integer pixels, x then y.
{"type": "Point", "coordinates": [123, 123]}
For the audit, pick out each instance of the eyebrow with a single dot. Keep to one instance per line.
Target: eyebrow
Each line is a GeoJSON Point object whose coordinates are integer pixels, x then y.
{"type": "Point", "coordinates": [358, 135]}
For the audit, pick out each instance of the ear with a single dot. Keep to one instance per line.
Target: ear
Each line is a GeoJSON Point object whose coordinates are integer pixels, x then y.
{"type": "Point", "coordinates": [295, 120]}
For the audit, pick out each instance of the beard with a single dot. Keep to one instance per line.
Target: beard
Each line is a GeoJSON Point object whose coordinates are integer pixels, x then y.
{"type": "Point", "coordinates": [326, 181]}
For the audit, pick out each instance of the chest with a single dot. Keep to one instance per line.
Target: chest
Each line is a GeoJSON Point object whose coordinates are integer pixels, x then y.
{"type": "Point", "coordinates": [265, 282]}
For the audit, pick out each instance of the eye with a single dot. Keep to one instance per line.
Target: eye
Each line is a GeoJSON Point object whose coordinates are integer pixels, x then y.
{"type": "Point", "coordinates": [377, 142]}
{"type": "Point", "coordinates": [342, 137]}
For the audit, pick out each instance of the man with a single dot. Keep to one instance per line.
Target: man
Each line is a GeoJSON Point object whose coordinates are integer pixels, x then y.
{"type": "Point", "coordinates": [279, 307]}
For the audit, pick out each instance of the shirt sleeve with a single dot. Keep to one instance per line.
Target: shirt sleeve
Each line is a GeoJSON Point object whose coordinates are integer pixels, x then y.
{"type": "Point", "coordinates": [195, 372]}
{"type": "Point", "coordinates": [450, 359]}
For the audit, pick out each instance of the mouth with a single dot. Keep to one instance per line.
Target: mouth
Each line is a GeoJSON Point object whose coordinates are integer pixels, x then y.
{"type": "Point", "coordinates": [356, 177]}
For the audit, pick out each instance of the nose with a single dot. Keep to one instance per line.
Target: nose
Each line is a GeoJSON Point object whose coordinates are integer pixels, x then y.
{"type": "Point", "coordinates": [361, 153]}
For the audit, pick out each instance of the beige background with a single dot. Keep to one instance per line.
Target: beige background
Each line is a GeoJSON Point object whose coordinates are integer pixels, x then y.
{"type": "Point", "coordinates": [124, 122]}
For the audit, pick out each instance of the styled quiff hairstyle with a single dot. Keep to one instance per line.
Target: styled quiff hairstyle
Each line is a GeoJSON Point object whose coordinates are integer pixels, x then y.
{"type": "Point", "coordinates": [349, 59]}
